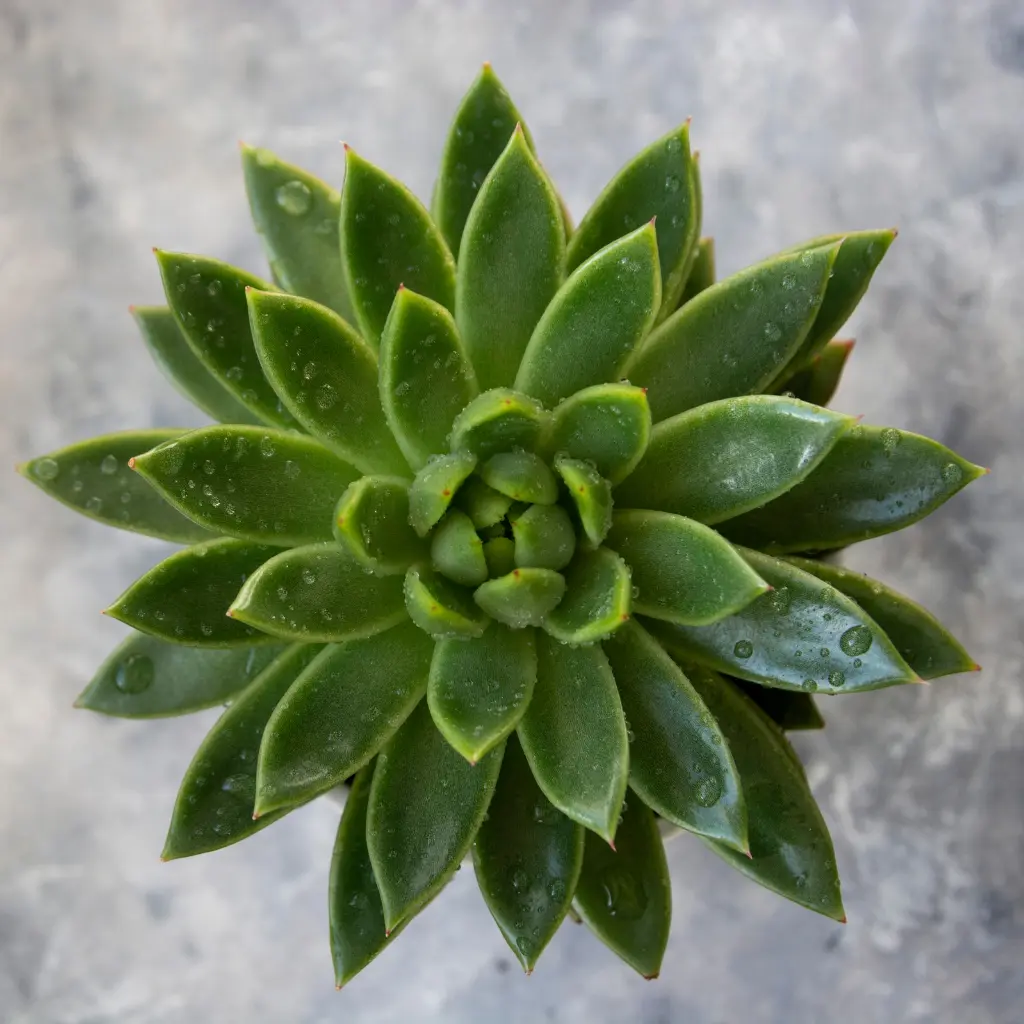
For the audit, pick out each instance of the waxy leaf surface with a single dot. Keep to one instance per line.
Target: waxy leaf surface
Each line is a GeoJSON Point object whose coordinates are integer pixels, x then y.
{"type": "Point", "coordinates": [523, 597]}
{"type": "Point", "coordinates": [591, 494]}
{"type": "Point", "coordinates": [544, 537]}
{"type": "Point", "coordinates": [498, 421]}
{"type": "Point", "coordinates": [439, 607]}
{"type": "Point", "coordinates": [818, 380]}
{"type": "Point", "coordinates": [457, 552]}
{"type": "Point", "coordinates": [521, 476]}
{"type": "Point", "coordinates": [434, 487]}
{"type": "Point", "coordinates": [597, 598]}
{"type": "Point", "coordinates": [372, 521]}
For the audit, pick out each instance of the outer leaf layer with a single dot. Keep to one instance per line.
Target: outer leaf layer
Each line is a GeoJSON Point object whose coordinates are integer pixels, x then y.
{"type": "Point", "coordinates": [818, 380]}
{"type": "Point", "coordinates": [440, 607]}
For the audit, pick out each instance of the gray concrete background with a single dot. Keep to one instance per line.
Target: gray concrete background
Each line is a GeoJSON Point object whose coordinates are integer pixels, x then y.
{"type": "Point", "coordinates": [118, 121]}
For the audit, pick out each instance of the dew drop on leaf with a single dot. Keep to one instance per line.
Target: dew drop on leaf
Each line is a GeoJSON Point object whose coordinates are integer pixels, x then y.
{"type": "Point", "coordinates": [624, 893]}
{"type": "Point", "coordinates": [951, 473]}
{"type": "Point", "coordinates": [108, 467]}
{"type": "Point", "coordinates": [810, 685]}
{"type": "Point", "coordinates": [856, 640]}
{"type": "Point", "coordinates": [294, 198]}
{"type": "Point", "coordinates": [46, 469]}
{"type": "Point", "coordinates": [743, 649]}
{"type": "Point", "coordinates": [891, 437]}
{"type": "Point", "coordinates": [836, 677]}
{"type": "Point", "coordinates": [708, 791]}
{"type": "Point", "coordinates": [94, 504]}
{"type": "Point", "coordinates": [134, 674]}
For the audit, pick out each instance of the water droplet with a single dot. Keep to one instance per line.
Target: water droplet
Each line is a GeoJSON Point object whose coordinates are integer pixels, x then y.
{"type": "Point", "coordinates": [243, 784]}
{"type": "Point", "coordinates": [134, 674]}
{"type": "Point", "coordinates": [234, 373]}
{"type": "Point", "coordinates": [309, 371]}
{"type": "Point", "coordinates": [891, 437]}
{"type": "Point", "coordinates": [836, 677]}
{"type": "Point", "coordinates": [108, 467]}
{"type": "Point", "coordinates": [94, 504]}
{"type": "Point", "coordinates": [952, 473]}
{"type": "Point", "coordinates": [810, 685]}
{"type": "Point", "coordinates": [708, 791]}
{"type": "Point", "coordinates": [326, 397]}
{"type": "Point", "coordinates": [743, 649]}
{"type": "Point", "coordinates": [674, 145]}
{"type": "Point", "coordinates": [857, 663]}
{"type": "Point", "coordinates": [46, 469]}
{"type": "Point", "coordinates": [294, 198]}
{"type": "Point", "coordinates": [825, 652]}
{"type": "Point", "coordinates": [291, 469]}
{"type": "Point", "coordinates": [672, 183]}
{"type": "Point", "coordinates": [520, 879]}
{"type": "Point", "coordinates": [624, 893]}
{"type": "Point", "coordinates": [556, 890]}
{"type": "Point", "coordinates": [214, 287]}
{"type": "Point", "coordinates": [308, 576]}
{"type": "Point", "coordinates": [780, 599]}
{"type": "Point", "coordinates": [788, 281]}
{"type": "Point", "coordinates": [267, 448]}
{"type": "Point", "coordinates": [856, 640]}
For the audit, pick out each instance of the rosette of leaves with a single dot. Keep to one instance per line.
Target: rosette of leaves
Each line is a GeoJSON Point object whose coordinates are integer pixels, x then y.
{"type": "Point", "coordinates": [514, 527]}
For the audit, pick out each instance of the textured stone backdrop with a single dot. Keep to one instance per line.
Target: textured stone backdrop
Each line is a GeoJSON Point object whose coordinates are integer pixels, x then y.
{"type": "Point", "coordinates": [118, 121]}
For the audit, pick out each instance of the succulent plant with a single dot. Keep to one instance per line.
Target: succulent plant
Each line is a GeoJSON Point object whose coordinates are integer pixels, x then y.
{"type": "Point", "coordinates": [517, 530]}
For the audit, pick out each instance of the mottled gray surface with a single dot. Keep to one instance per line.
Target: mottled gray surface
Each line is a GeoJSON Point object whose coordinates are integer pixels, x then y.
{"type": "Point", "coordinates": [118, 120]}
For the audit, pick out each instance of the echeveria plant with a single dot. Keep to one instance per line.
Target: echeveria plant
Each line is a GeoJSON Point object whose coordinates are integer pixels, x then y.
{"type": "Point", "coordinates": [514, 528]}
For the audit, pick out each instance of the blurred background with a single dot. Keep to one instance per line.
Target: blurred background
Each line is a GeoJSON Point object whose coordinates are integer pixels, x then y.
{"type": "Point", "coordinates": [118, 129]}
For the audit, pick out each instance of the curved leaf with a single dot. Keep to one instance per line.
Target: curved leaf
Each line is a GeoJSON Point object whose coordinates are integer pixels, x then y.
{"type": "Point", "coordinates": [254, 483]}
{"type": "Point", "coordinates": [591, 494]}
{"type": "Point", "coordinates": [544, 537]}
{"type": "Point", "coordinates": [327, 376]}
{"type": "Point", "coordinates": [498, 421]}
{"type": "Point", "coordinates": [482, 503]}
{"type": "Point", "coordinates": [527, 857]}
{"type": "Point", "coordinates": [521, 598]}
{"type": "Point", "coordinates": [426, 804]}
{"type": "Point", "coordinates": [185, 598]}
{"type": "Point", "coordinates": [790, 711]}
{"type": "Point", "coordinates": [441, 608]}
{"type": "Point", "coordinates": [457, 552]}
{"type": "Point", "coordinates": [574, 735]}
{"type": "Point", "coordinates": [725, 458]}
{"type": "Point", "coordinates": [338, 713]}
{"type": "Point", "coordinates": [597, 319]}
{"type": "Point", "coordinates": [679, 763]}
{"type": "Point", "coordinates": [597, 598]}
{"type": "Point", "coordinates": [425, 376]}
{"type": "Point", "coordinates": [804, 635]}
{"type": "Point", "coordinates": [818, 380]}
{"type": "Point", "coordinates": [702, 272]}
{"type": "Point", "coordinates": [434, 487]}
{"type": "Point", "coordinates": [372, 521]}
{"type": "Point", "coordinates": [388, 239]}
{"type": "Point", "coordinates": [93, 477]}
{"type": "Point", "coordinates": [874, 481]}
{"type": "Point", "coordinates": [521, 476]}
{"type": "Point", "coordinates": [319, 593]}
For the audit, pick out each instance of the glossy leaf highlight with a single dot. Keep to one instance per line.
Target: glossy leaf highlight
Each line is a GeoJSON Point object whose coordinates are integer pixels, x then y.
{"type": "Point", "coordinates": [597, 598]}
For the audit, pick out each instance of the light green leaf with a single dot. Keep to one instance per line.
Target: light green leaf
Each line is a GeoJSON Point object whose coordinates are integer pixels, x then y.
{"type": "Point", "coordinates": [818, 380]}
{"type": "Point", "coordinates": [372, 521]}
{"type": "Point", "coordinates": [521, 476]}
{"type": "Point", "coordinates": [544, 537]}
{"type": "Point", "coordinates": [457, 552]}
{"type": "Point", "coordinates": [590, 493]}
{"type": "Point", "coordinates": [597, 598]}
{"type": "Point", "coordinates": [440, 607]}
{"type": "Point", "coordinates": [482, 503]}
{"type": "Point", "coordinates": [434, 487]}
{"type": "Point", "coordinates": [702, 273]}
{"type": "Point", "coordinates": [498, 421]}
{"type": "Point", "coordinates": [521, 598]}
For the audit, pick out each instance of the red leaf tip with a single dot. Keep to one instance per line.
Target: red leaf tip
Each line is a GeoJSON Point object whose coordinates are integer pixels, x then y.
{"type": "Point", "coordinates": [131, 462]}
{"type": "Point", "coordinates": [842, 920]}
{"type": "Point", "coordinates": [346, 147]}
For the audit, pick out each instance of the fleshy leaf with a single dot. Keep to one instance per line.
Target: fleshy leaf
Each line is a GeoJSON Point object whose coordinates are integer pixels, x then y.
{"type": "Point", "coordinates": [591, 494]}
{"type": "Point", "coordinates": [498, 421]}
{"type": "Point", "coordinates": [207, 298]}
{"type": "Point", "coordinates": [597, 598]}
{"type": "Point", "coordinates": [93, 477]}
{"type": "Point", "coordinates": [521, 598]}
{"type": "Point", "coordinates": [679, 763]}
{"type": "Point", "coordinates": [185, 598]}
{"type": "Point", "coordinates": [682, 571]}
{"type": "Point", "coordinates": [803, 635]}
{"type": "Point", "coordinates": [426, 804]}
{"type": "Point", "coordinates": [372, 521]}
{"type": "Point", "coordinates": [527, 857]}
{"type": "Point", "coordinates": [388, 239]}
{"type": "Point", "coordinates": [924, 643]}
{"type": "Point", "coordinates": [790, 711]}
{"type": "Point", "coordinates": [457, 552]}
{"type": "Point", "coordinates": [510, 263]}
{"type": "Point", "coordinates": [500, 554]}
{"type": "Point", "coordinates": [182, 367]}
{"type": "Point", "coordinates": [595, 322]}
{"type": "Point", "coordinates": [658, 184]}
{"type": "Point", "coordinates": [482, 503]}
{"type": "Point", "coordinates": [522, 476]}
{"type": "Point", "coordinates": [790, 848]}
{"type": "Point", "coordinates": [297, 216]}
{"type": "Point", "coordinates": [479, 688]}
{"type": "Point", "coordinates": [624, 894]}
{"type": "Point", "coordinates": [425, 376]}
{"type": "Point", "coordinates": [338, 713]}
{"type": "Point", "coordinates": [702, 273]}
{"type": "Point", "coordinates": [574, 735]}
{"type": "Point", "coordinates": [214, 807]}
{"type": "Point", "coordinates": [254, 483]}
{"type": "Point", "coordinates": [544, 537]}
{"type": "Point", "coordinates": [327, 376]}
{"type": "Point", "coordinates": [874, 481]}
{"type": "Point", "coordinates": [725, 458]}
{"type": "Point", "coordinates": [818, 380]}
{"type": "Point", "coordinates": [735, 337]}
{"type": "Point", "coordinates": [441, 608]}
{"type": "Point", "coordinates": [149, 678]}
{"type": "Point", "coordinates": [319, 593]}
{"type": "Point", "coordinates": [434, 487]}
{"type": "Point", "coordinates": [608, 425]}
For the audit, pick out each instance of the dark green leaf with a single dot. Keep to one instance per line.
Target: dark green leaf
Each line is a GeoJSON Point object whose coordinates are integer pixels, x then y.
{"type": "Point", "coordinates": [544, 537]}
{"type": "Point", "coordinates": [522, 476]}
{"type": "Point", "coordinates": [498, 421]}
{"type": "Point", "coordinates": [817, 381]}
{"type": "Point", "coordinates": [595, 322]}
{"type": "Point", "coordinates": [372, 521]}
{"type": "Point", "coordinates": [597, 598]}
{"type": "Point", "coordinates": [440, 607]}
{"type": "Point", "coordinates": [339, 712]}
{"type": "Point", "coordinates": [789, 711]}
{"type": "Point", "coordinates": [702, 273]}
{"type": "Point", "coordinates": [521, 598]}
{"type": "Point", "coordinates": [591, 494]}
{"type": "Point", "coordinates": [435, 486]}
{"type": "Point", "coordinates": [456, 551]}
{"type": "Point", "coordinates": [93, 478]}
{"type": "Point", "coordinates": [482, 503]}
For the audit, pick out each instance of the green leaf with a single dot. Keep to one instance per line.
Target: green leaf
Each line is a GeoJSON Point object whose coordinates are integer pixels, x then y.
{"type": "Point", "coordinates": [522, 476]}
{"type": "Point", "coordinates": [388, 239]}
{"type": "Point", "coordinates": [214, 806]}
{"type": "Point", "coordinates": [658, 183]}
{"type": "Point", "coordinates": [544, 537]}
{"type": "Point", "coordinates": [597, 598]}
{"type": "Point", "coordinates": [254, 483]}
{"type": "Point", "coordinates": [93, 477]}
{"type": "Point", "coordinates": [498, 421]}
{"type": "Point", "coordinates": [457, 552]}
{"type": "Point", "coordinates": [790, 849]}
{"type": "Point", "coordinates": [207, 298]}
{"type": "Point", "coordinates": [679, 763]}
{"type": "Point", "coordinates": [182, 367]}
{"type": "Point", "coordinates": [597, 319]}
{"type": "Point", "coordinates": [510, 263]}
{"type": "Point", "coordinates": [521, 598]}
{"type": "Point", "coordinates": [425, 376]}
{"type": "Point", "coordinates": [574, 735]}
{"type": "Point", "coordinates": [185, 598]}
{"type": "Point", "coordinates": [338, 713]}
{"type": "Point", "coordinates": [608, 425]}
{"type": "Point", "coordinates": [482, 503]}
{"type": "Point", "coordinates": [148, 678]}
{"type": "Point", "coordinates": [426, 804]}
{"type": "Point", "coordinates": [702, 273]}
{"type": "Point", "coordinates": [434, 487]}
{"type": "Point", "coordinates": [500, 554]}
{"type": "Point", "coordinates": [874, 481]}
{"type": "Point", "coordinates": [527, 857]}
{"type": "Point", "coordinates": [817, 381]}
{"type": "Point", "coordinates": [372, 521]}
{"type": "Point", "coordinates": [725, 458]}
{"type": "Point", "coordinates": [590, 493]}
{"type": "Point", "coordinates": [923, 642]}
{"type": "Point", "coordinates": [327, 376]}
{"type": "Point", "coordinates": [735, 337]}
{"type": "Point", "coordinates": [297, 216]}
{"type": "Point", "coordinates": [789, 711]}
{"type": "Point", "coordinates": [624, 894]}
{"type": "Point", "coordinates": [440, 607]}
{"type": "Point", "coordinates": [479, 688]}
{"type": "Point", "coordinates": [803, 635]}
{"type": "Point", "coordinates": [319, 593]}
